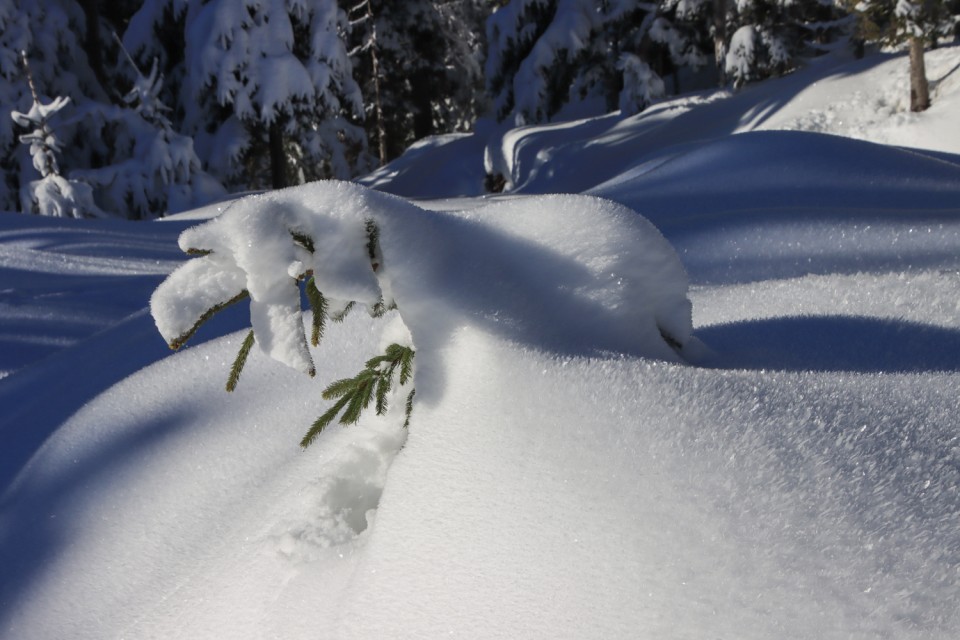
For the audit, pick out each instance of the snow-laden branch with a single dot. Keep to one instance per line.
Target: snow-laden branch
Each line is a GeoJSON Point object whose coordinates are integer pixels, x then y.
{"type": "Point", "coordinates": [569, 274]}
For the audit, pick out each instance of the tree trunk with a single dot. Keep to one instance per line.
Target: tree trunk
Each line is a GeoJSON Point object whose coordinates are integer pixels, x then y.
{"type": "Point", "coordinates": [720, 39]}
{"type": "Point", "coordinates": [420, 84]}
{"type": "Point", "coordinates": [919, 90]}
{"type": "Point", "coordinates": [91, 42]}
{"type": "Point", "coordinates": [372, 46]}
{"type": "Point", "coordinates": [278, 159]}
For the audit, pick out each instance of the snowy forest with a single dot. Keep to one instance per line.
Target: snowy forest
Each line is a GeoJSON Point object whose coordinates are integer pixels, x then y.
{"type": "Point", "coordinates": [136, 109]}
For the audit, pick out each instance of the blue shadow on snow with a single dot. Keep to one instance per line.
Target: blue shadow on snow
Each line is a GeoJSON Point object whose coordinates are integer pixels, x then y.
{"type": "Point", "coordinates": [833, 343]}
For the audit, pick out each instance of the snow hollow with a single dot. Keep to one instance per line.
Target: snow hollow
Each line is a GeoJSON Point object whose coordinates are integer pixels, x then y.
{"type": "Point", "coordinates": [786, 465]}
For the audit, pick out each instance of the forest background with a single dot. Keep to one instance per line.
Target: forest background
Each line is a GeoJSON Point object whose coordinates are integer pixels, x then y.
{"type": "Point", "coordinates": [139, 108]}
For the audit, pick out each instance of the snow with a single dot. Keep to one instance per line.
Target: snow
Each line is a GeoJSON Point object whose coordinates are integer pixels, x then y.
{"type": "Point", "coordinates": [867, 100]}
{"type": "Point", "coordinates": [800, 480]}
{"type": "Point", "coordinates": [572, 273]}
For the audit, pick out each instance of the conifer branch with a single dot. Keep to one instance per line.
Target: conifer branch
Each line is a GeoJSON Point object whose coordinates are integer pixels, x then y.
{"type": "Point", "coordinates": [321, 423]}
{"type": "Point", "coordinates": [339, 316]}
{"type": "Point", "coordinates": [318, 304]}
{"type": "Point", "coordinates": [178, 342]}
{"type": "Point", "coordinates": [409, 408]}
{"type": "Point", "coordinates": [377, 310]}
{"type": "Point", "coordinates": [372, 384]}
{"type": "Point", "coordinates": [239, 363]}
{"type": "Point", "coordinates": [383, 388]}
{"type": "Point", "coordinates": [303, 240]}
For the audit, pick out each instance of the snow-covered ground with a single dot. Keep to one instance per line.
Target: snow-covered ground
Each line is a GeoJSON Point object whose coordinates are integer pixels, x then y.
{"type": "Point", "coordinates": [801, 480]}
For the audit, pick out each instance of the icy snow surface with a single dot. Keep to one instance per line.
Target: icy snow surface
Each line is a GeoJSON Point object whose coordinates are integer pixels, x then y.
{"type": "Point", "coordinates": [804, 484]}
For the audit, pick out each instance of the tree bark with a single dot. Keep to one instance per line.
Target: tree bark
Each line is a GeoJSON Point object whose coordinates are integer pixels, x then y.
{"type": "Point", "coordinates": [919, 90]}
{"type": "Point", "coordinates": [278, 159]}
{"type": "Point", "coordinates": [91, 41]}
{"type": "Point", "coordinates": [720, 39]}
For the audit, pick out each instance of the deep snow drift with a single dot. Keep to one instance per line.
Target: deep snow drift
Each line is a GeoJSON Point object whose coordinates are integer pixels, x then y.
{"type": "Point", "coordinates": [805, 483]}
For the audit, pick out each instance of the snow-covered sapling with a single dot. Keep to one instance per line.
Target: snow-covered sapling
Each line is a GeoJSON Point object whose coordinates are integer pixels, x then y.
{"type": "Point", "coordinates": [576, 275]}
{"type": "Point", "coordinates": [270, 260]}
{"type": "Point", "coordinates": [52, 194]}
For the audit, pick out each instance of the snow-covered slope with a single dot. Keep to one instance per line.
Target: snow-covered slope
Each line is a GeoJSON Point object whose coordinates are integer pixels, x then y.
{"type": "Point", "coordinates": [804, 484]}
{"type": "Point", "coordinates": [865, 99]}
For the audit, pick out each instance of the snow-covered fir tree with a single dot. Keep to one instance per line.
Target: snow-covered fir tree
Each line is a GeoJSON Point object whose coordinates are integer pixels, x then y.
{"type": "Point", "coordinates": [544, 54]}
{"type": "Point", "coordinates": [270, 83]}
{"type": "Point", "coordinates": [48, 32]}
{"type": "Point", "coordinates": [641, 85]}
{"type": "Point", "coordinates": [770, 37]}
{"type": "Point", "coordinates": [138, 164]}
{"type": "Point", "coordinates": [51, 194]}
{"type": "Point", "coordinates": [154, 169]}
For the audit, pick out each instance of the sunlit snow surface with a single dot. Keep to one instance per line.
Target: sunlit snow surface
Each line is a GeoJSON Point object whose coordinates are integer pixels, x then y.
{"type": "Point", "coordinates": [806, 484]}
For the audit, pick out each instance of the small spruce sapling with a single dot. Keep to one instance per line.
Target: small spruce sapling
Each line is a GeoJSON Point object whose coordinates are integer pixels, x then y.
{"type": "Point", "coordinates": [353, 396]}
{"type": "Point", "coordinates": [52, 194]}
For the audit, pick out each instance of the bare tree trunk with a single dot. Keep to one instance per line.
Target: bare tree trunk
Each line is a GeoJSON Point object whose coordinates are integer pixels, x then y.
{"type": "Point", "coordinates": [91, 43]}
{"type": "Point", "coordinates": [919, 90]}
{"type": "Point", "coordinates": [278, 160]}
{"type": "Point", "coordinates": [372, 46]}
{"type": "Point", "coordinates": [720, 39]}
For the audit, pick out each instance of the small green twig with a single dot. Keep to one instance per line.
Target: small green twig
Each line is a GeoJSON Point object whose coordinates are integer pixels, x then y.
{"type": "Point", "coordinates": [239, 363]}
{"type": "Point", "coordinates": [372, 384]}
{"type": "Point", "coordinates": [178, 342]}
{"type": "Point", "coordinates": [318, 304]}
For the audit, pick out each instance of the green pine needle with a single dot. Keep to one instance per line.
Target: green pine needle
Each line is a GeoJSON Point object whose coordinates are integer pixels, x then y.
{"type": "Point", "coordinates": [406, 367]}
{"type": "Point", "coordinates": [318, 304]}
{"type": "Point", "coordinates": [358, 402]}
{"type": "Point", "coordinates": [378, 310]}
{"type": "Point", "coordinates": [339, 388]}
{"type": "Point", "coordinates": [375, 362]}
{"type": "Point", "coordinates": [239, 363]}
{"type": "Point", "coordinates": [321, 423]}
{"type": "Point", "coordinates": [383, 388]}
{"type": "Point", "coordinates": [409, 408]}
{"type": "Point", "coordinates": [339, 316]}
{"type": "Point", "coordinates": [372, 384]}
{"type": "Point", "coordinates": [303, 240]}
{"type": "Point", "coordinates": [178, 342]}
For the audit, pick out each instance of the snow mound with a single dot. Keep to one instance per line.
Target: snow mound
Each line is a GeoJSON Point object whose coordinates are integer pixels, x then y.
{"type": "Point", "coordinates": [572, 274]}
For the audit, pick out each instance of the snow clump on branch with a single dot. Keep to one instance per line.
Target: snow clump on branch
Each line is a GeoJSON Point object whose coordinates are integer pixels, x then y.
{"type": "Point", "coordinates": [574, 275]}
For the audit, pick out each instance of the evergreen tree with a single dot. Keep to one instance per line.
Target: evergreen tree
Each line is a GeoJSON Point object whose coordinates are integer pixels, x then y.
{"type": "Point", "coordinates": [918, 24]}
{"type": "Point", "coordinates": [544, 54]}
{"type": "Point", "coordinates": [153, 169]}
{"type": "Point", "coordinates": [52, 194]}
{"type": "Point", "coordinates": [769, 37]}
{"type": "Point", "coordinates": [48, 32]}
{"type": "Point", "coordinates": [116, 137]}
{"type": "Point", "coordinates": [273, 86]}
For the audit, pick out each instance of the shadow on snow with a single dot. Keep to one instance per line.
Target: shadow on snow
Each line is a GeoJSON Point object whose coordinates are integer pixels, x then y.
{"type": "Point", "coordinates": [833, 343]}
